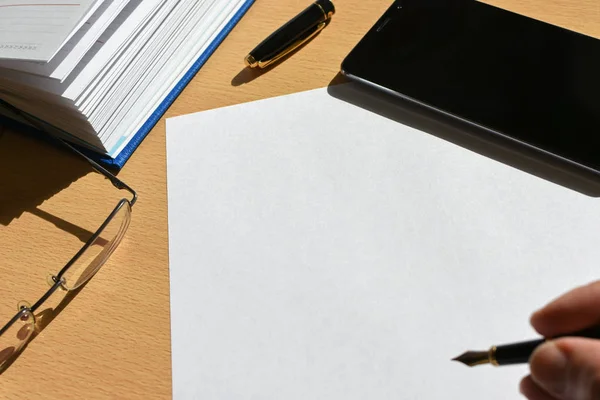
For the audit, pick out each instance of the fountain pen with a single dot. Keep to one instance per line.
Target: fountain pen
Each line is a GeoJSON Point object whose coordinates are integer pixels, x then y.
{"type": "Point", "coordinates": [515, 353]}
{"type": "Point", "coordinates": [292, 35]}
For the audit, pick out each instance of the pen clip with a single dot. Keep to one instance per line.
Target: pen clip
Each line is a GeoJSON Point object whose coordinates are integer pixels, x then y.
{"type": "Point", "coordinates": [307, 36]}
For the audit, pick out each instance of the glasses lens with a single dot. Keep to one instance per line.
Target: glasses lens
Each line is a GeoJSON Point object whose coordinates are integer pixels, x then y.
{"type": "Point", "coordinates": [100, 250]}
{"type": "Point", "coordinates": [16, 336]}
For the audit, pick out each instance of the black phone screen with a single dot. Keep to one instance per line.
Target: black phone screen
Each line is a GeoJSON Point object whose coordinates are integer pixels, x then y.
{"type": "Point", "coordinates": [529, 80]}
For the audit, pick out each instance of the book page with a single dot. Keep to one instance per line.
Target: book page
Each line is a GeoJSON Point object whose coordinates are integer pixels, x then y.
{"type": "Point", "coordinates": [117, 40]}
{"type": "Point", "coordinates": [322, 251]}
{"type": "Point", "coordinates": [37, 30]}
{"type": "Point", "coordinates": [114, 40]}
{"type": "Point", "coordinates": [74, 50]}
{"type": "Point", "coordinates": [182, 62]}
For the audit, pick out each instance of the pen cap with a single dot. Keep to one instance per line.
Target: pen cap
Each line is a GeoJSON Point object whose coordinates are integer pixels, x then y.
{"type": "Point", "coordinates": [327, 6]}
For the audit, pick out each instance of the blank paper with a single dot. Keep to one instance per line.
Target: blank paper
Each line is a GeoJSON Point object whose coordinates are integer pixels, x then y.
{"type": "Point", "coordinates": [321, 251]}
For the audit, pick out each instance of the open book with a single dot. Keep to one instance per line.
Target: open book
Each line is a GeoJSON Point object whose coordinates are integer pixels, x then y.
{"type": "Point", "coordinates": [100, 73]}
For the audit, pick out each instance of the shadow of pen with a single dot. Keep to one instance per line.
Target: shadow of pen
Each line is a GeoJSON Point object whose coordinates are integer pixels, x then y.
{"type": "Point", "coordinates": [248, 74]}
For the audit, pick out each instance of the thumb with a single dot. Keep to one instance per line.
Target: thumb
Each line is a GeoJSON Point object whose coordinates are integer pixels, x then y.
{"type": "Point", "coordinates": [568, 368]}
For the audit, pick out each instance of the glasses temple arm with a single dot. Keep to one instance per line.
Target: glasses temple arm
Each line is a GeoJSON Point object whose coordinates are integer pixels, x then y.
{"type": "Point", "coordinates": [116, 182]}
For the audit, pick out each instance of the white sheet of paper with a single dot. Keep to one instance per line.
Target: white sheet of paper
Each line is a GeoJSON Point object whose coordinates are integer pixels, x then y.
{"type": "Point", "coordinates": [321, 251]}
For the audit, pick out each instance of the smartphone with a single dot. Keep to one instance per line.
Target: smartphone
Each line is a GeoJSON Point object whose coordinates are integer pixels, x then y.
{"type": "Point", "coordinates": [531, 82]}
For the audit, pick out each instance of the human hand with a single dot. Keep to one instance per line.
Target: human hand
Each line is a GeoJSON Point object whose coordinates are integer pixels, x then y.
{"type": "Point", "coordinates": [566, 368]}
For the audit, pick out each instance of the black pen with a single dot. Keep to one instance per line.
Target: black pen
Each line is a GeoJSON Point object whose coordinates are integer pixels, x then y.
{"type": "Point", "coordinates": [515, 353]}
{"type": "Point", "coordinates": [291, 35]}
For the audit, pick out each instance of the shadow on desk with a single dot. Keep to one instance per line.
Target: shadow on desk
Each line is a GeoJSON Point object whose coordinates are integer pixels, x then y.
{"type": "Point", "coordinates": [42, 320]}
{"type": "Point", "coordinates": [32, 172]}
{"type": "Point", "coordinates": [248, 74]}
{"type": "Point", "coordinates": [462, 134]}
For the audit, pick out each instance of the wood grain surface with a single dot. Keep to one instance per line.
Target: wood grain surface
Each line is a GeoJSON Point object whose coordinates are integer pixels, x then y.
{"type": "Point", "coordinates": [111, 340]}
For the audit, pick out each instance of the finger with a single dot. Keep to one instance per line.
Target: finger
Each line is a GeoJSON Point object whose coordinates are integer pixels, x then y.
{"type": "Point", "coordinates": [573, 311]}
{"type": "Point", "coordinates": [568, 368]}
{"type": "Point", "coordinates": [532, 391]}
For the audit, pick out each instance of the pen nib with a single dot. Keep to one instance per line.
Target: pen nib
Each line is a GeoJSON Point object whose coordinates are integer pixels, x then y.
{"type": "Point", "coordinates": [472, 358]}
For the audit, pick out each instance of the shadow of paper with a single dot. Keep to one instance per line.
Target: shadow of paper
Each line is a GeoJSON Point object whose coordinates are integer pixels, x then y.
{"type": "Point", "coordinates": [466, 136]}
{"type": "Point", "coordinates": [32, 171]}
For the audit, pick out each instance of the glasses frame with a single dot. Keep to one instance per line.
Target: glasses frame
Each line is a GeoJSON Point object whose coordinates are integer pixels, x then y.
{"type": "Point", "coordinates": [58, 281]}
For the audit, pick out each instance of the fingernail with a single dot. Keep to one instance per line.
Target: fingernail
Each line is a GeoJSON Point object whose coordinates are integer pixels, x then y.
{"type": "Point", "coordinates": [549, 368]}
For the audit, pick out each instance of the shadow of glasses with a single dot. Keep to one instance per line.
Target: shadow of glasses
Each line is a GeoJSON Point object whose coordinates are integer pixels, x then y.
{"type": "Point", "coordinates": [42, 319]}
{"type": "Point", "coordinates": [93, 255]}
{"type": "Point", "coordinates": [80, 233]}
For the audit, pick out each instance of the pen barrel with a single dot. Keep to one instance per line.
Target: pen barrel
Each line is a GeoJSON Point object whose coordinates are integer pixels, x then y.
{"type": "Point", "coordinates": [516, 353]}
{"type": "Point", "coordinates": [519, 353]}
{"type": "Point", "coordinates": [300, 27]}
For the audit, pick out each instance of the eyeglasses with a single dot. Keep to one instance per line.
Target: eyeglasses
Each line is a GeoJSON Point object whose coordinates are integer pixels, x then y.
{"type": "Point", "coordinates": [78, 271]}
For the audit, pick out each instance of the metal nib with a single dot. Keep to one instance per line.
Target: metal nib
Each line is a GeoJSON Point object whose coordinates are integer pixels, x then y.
{"type": "Point", "coordinates": [472, 358]}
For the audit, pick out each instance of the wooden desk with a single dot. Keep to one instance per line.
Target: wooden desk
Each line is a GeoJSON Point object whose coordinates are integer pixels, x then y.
{"type": "Point", "coordinates": [112, 341]}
